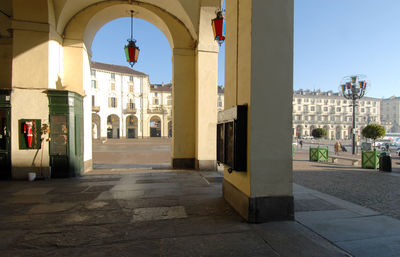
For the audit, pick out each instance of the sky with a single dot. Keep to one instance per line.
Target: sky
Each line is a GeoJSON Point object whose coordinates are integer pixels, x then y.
{"type": "Point", "coordinates": [332, 39]}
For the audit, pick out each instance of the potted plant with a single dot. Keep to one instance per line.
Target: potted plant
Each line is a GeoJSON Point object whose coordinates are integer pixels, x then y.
{"type": "Point", "coordinates": [369, 159]}
{"type": "Point", "coordinates": [319, 154]}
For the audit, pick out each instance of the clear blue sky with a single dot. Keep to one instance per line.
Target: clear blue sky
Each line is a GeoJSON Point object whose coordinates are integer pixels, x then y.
{"type": "Point", "coordinates": [332, 39]}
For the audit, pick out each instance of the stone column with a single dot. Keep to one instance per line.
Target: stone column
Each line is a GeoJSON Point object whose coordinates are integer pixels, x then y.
{"type": "Point", "coordinates": [183, 122]}
{"type": "Point", "coordinates": [259, 72]}
{"type": "Point", "coordinates": [206, 92]}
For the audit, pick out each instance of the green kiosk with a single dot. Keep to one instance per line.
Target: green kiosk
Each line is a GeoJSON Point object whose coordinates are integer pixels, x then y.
{"type": "Point", "coordinates": [66, 133]}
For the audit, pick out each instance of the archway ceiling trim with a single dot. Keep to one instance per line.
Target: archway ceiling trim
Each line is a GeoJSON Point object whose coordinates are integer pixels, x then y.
{"type": "Point", "coordinates": [186, 11]}
{"type": "Point", "coordinates": [85, 24]}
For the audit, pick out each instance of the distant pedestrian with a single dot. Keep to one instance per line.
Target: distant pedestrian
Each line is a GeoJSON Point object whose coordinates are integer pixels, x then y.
{"type": "Point", "coordinates": [337, 147]}
{"type": "Point", "coordinates": [301, 143]}
{"type": "Point", "coordinates": [387, 147]}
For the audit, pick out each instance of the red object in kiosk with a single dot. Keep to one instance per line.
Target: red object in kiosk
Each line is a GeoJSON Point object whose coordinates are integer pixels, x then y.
{"type": "Point", "coordinates": [28, 132]}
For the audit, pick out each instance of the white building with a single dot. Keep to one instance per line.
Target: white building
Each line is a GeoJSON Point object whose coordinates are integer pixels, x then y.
{"type": "Point", "coordinates": [316, 109]}
{"type": "Point", "coordinates": [125, 105]}
{"type": "Point", "coordinates": [390, 114]}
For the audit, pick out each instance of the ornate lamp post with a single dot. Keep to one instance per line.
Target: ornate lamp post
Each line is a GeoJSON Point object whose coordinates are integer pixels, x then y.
{"type": "Point", "coordinates": [218, 25]}
{"type": "Point", "coordinates": [131, 50]}
{"type": "Point", "coordinates": [353, 88]}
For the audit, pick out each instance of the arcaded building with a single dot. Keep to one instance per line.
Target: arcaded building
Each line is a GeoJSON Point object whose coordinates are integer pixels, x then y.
{"type": "Point", "coordinates": [329, 110]}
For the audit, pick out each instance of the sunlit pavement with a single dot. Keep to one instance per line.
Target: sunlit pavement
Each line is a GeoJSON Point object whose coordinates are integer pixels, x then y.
{"type": "Point", "coordinates": [339, 209]}
{"type": "Point", "coordinates": [147, 213]}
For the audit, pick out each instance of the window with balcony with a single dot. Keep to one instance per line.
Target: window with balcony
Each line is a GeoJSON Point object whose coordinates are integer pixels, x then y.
{"type": "Point", "coordinates": [112, 102]}
{"type": "Point", "coordinates": [131, 104]}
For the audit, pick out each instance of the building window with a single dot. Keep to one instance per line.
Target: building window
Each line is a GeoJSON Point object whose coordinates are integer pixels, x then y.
{"type": "Point", "coordinates": [94, 84]}
{"type": "Point", "coordinates": [112, 75]}
{"type": "Point", "coordinates": [156, 101]}
{"type": "Point", "coordinates": [219, 103]}
{"type": "Point", "coordinates": [93, 100]}
{"type": "Point", "coordinates": [169, 100]}
{"type": "Point", "coordinates": [93, 73]}
{"type": "Point", "coordinates": [299, 108]}
{"type": "Point", "coordinates": [131, 88]}
{"type": "Point", "coordinates": [299, 101]}
{"type": "Point", "coordinates": [131, 104]}
{"type": "Point", "coordinates": [325, 109]}
{"type": "Point", "coordinates": [131, 78]}
{"type": "Point", "coordinates": [156, 94]}
{"type": "Point", "coordinates": [305, 108]}
{"type": "Point", "coordinates": [306, 100]}
{"type": "Point", "coordinates": [312, 108]}
{"type": "Point", "coordinates": [112, 86]}
{"type": "Point", "coordinates": [112, 102]}
{"type": "Point", "coordinates": [362, 110]}
{"type": "Point", "coordinates": [338, 109]}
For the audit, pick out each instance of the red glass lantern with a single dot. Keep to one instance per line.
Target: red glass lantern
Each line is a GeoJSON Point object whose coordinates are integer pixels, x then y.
{"type": "Point", "coordinates": [218, 25]}
{"type": "Point", "coordinates": [131, 50]}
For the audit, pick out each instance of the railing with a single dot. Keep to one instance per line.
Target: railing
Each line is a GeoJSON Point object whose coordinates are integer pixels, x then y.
{"type": "Point", "coordinates": [156, 110]}
{"type": "Point", "coordinates": [130, 109]}
{"type": "Point", "coordinates": [95, 108]}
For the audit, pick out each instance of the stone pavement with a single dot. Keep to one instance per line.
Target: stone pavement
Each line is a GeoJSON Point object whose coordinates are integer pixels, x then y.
{"type": "Point", "coordinates": [142, 213]}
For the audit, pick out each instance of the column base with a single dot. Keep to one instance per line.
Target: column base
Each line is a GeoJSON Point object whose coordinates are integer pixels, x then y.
{"type": "Point", "coordinates": [206, 165]}
{"type": "Point", "coordinates": [183, 163]}
{"type": "Point", "coordinates": [87, 165]}
{"type": "Point", "coordinates": [258, 209]}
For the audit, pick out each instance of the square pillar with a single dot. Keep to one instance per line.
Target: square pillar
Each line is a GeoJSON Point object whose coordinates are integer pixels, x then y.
{"type": "Point", "coordinates": [259, 61]}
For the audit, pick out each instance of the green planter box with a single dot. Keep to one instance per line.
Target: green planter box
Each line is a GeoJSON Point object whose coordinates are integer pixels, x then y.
{"type": "Point", "coordinates": [319, 154]}
{"type": "Point", "coordinates": [370, 159]}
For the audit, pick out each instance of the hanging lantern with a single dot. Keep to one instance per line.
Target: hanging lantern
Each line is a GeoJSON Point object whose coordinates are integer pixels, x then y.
{"type": "Point", "coordinates": [131, 50]}
{"type": "Point", "coordinates": [218, 25]}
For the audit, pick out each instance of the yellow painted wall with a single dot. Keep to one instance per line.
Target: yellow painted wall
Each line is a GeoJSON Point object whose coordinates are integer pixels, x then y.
{"type": "Point", "coordinates": [28, 104]}
{"type": "Point", "coordinates": [238, 70]}
{"type": "Point", "coordinates": [30, 59]}
{"type": "Point", "coordinates": [183, 93]}
{"type": "Point", "coordinates": [5, 62]}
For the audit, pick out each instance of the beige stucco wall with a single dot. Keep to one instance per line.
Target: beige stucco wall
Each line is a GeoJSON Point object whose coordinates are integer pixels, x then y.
{"type": "Point", "coordinates": [5, 62]}
{"type": "Point", "coordinates": [237, 71]}
{"type": "Point", "coordinates": [271, 98]}
{"type": "Point", "coordinates": [28, 106]}
{"type": "Point", "coordinates": [259, 60]}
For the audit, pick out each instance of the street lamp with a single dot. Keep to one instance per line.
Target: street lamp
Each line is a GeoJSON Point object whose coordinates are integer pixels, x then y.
{"type": "Point", "coordinates": [131, 49]}
{"type": "Point", "coordinates": [353, 88]}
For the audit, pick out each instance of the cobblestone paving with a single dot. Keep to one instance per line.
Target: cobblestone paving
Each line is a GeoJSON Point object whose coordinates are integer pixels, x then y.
{"type": "Point", "coordinates": [372, 189]}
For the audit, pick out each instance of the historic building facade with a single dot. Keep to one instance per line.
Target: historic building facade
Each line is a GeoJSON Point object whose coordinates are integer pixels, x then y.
{"type": "Point", "coordinates": [329, 110]}
{"type": "Point", "coordinates": [390, 114]}
{"type": "Point", "coordinates": [125, 105]}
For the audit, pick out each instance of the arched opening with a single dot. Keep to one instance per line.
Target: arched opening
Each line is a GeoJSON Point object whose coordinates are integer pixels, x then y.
{"type": "Point", "coordinates": [155, 126]}
{"type": "Point", "coordinates": [169, 128]}
{"type": "Point", "coordinates": [96, 121]}
{"type": "Point", "coordinates": [131, 126]}
{"type": "Point", "coordinates": [326, 127]}
{"type": "Point", "coordinates": [338, 132]}
{"type": "Point", "coordinates": [113, 126]}
{"type": "Point", "coordinates": [312, 127]}
{"type": "Point", "coordinates": [299, 131]}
